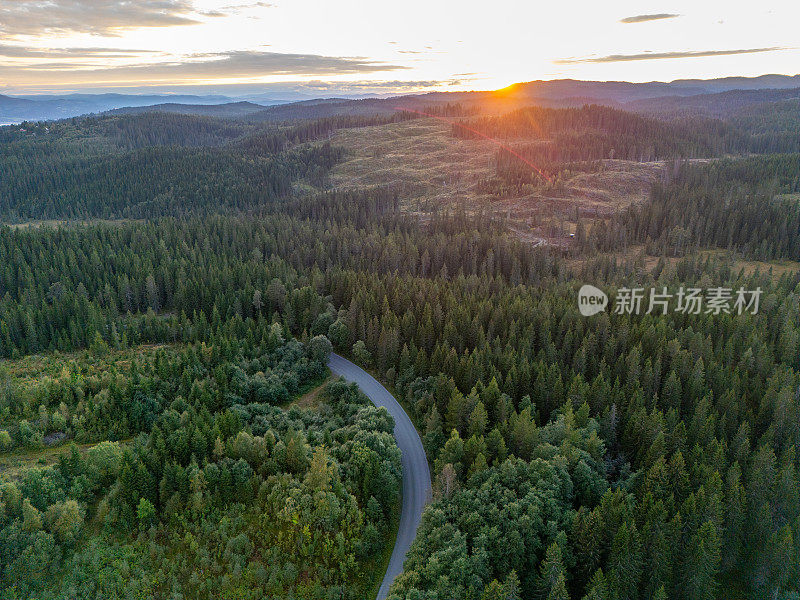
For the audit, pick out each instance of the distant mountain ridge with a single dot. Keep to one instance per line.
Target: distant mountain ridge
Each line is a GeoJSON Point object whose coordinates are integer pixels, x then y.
{"type": "Point", "coordinates": [47, 107]}
{"type": "Point", "coordinates": [692, 95]}
{"type": "Point", "coordinates": [718, 104]}
{"type": "Point", "coordinates": [724, 84]}
{"type": "Point", "coordinates": [686, 97]}
{"type": "Point", "coordinates": [624, 91]}
{"type": "Point", "coordinates": [227, 110]}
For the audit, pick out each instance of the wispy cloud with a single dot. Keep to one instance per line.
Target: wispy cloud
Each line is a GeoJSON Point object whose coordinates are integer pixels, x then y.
{"type": "Point", "coordinates": [205, 66]}
{"type": "Point", "coordinates": [236, 9]}
{"type": "Point", "coordinates": [661, 55]}
{"type": "Point", "coordinates": [103, 17]}
{"type": "Point", "coordinates": [374, 86]}
{"type": "Point", "coordinates": [14, 51]}
{"type": "Point", "coordinates": [245, 6]}
{"type": "Point", "coordinates": [646, 18]}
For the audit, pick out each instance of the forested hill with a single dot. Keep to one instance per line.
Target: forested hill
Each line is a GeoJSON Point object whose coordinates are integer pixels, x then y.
{"type": "Point", "coordinates": [593, 132]}
{"type": "Point", "coordinates": [154, 164]}
{"type": "Point", "coordinates": [162, 163]}
{"type": "Point", "coordinates": [229, 109]}
{"type": "Point", "coordinates": [720, 104]}
{"type": "Point", "coordinates": [50, 107]}
{"type": "Point", "coordinates": [759, 217]}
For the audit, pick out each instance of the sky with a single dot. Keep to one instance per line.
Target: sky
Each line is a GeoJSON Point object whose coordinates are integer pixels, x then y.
{"type": "Point", "coordinates": [340, 47]}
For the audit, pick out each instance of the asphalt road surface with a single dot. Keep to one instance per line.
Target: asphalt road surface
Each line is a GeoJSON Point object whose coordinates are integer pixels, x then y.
{"type": "Point", "coordinates": [416, 475]}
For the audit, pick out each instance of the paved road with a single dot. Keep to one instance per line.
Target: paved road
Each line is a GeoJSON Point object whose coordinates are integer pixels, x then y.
{"type": "Point", "coordinates": [416, 475]}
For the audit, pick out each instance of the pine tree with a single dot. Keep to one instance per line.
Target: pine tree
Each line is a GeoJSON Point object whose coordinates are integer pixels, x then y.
{"type": "Point", "coordinates": [624, 563]}
{"type": "Point", "coordinates": [700, 570]}
{"type": "Point", "coordinates": [552, 582]}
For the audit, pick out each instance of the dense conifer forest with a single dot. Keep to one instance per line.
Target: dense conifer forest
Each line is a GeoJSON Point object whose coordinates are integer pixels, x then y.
{"type": "Point", "coordinates": [749, 205]}
{"type": "Point", "coordinates": [618, 456]}
{"type": "Point", "coordinates": [558, 139]}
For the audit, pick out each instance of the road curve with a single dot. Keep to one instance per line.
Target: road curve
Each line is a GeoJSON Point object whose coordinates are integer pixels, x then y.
{"type": "Point", "coordinates": [416, 474]}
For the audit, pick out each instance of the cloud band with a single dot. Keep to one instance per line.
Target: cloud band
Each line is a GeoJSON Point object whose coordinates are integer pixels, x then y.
{"type": "Point", "coordinates": [613, 58]}
{"type": "Point", "coordinates": [646, 18]}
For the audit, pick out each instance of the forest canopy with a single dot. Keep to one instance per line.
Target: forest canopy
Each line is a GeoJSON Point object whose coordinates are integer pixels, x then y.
{"type": "Point", "coordinates": [614, 457]}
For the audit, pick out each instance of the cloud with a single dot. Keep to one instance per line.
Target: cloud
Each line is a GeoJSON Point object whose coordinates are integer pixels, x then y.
{"type": "Point", "coordinates": [427, 51]}
{"type": "Point", "coordinates": [285, 89]}
{"type": "Point", "coordinates": [103, 17]}
{"type": "Point", "coordinates": [661, 55]}
{"type": "Point", "coordinates": [206, 66]}
{"type": "Point", "coordinates": [13, 51]}
{"type": "Point", "coordinates": [247, 6]}
{"type": "Point", "coordinates": [356, 86]}
{"type": "Point", "coordinates": [645, 18]}
{"type": "Point", "coordinates": [236, 9]}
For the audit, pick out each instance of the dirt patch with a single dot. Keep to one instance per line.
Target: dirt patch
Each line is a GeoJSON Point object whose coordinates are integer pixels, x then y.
{"type": "Point", "coordinates": [312, 399]}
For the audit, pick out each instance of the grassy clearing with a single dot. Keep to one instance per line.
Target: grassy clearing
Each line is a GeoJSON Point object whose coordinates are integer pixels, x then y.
{"type": "Point", "coordinates": [636, 255]}
{"type": "Point", "coordinates": [24, 375]}
{"type": "Point", "coordinates": [776, 267]}
{"type": "Point", "coordinates": [432, 169]}
{"type": "Point", "coordinates": [60, 223]}
{"type": "Point", "coordinates": [23, 382]}
{"type": "Point", "coordinates": [33, 368]}
{"type": "Point", "coordinates": [419, 157]}
{"type": "Point", "coordinates": [14, 464]}
{"type": "Point", "coordinates": [312, 399]}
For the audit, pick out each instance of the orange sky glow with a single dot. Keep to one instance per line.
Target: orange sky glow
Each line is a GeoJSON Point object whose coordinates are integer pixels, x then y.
{"type": "Point", "coordinates": [348, 46]}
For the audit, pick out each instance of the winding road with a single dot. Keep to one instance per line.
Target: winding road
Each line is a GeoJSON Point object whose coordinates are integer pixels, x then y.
{"type": "Point", "coordinates": [416, 474]}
